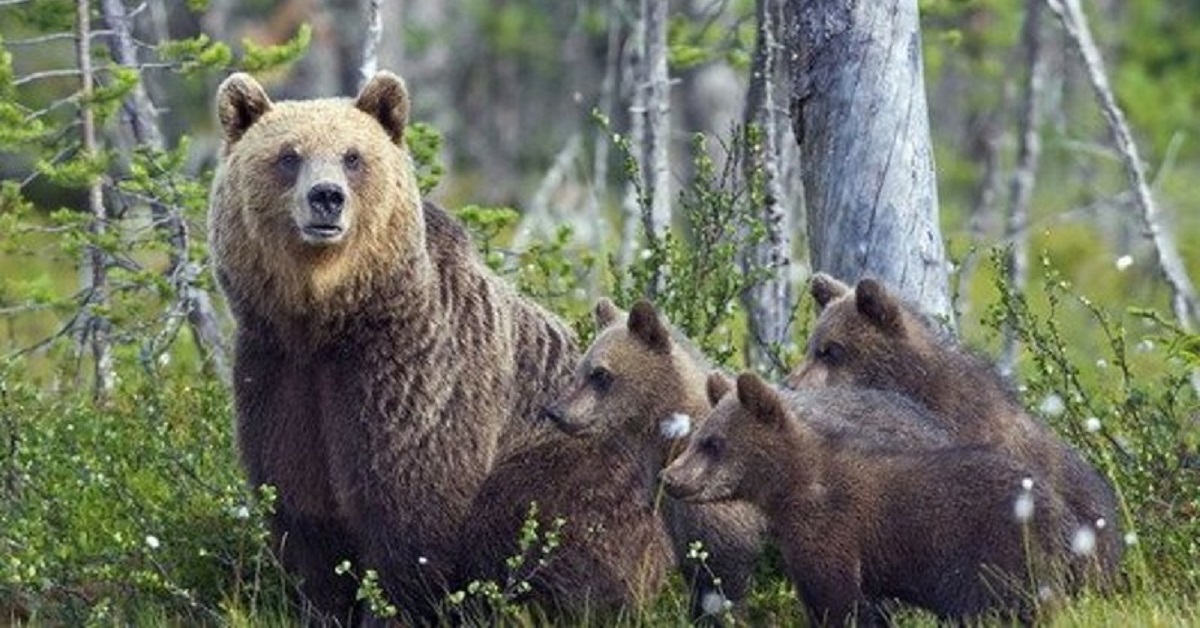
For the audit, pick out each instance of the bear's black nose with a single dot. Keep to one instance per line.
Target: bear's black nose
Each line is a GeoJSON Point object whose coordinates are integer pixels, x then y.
{"type": "Point", "coordinates": [326, 200]}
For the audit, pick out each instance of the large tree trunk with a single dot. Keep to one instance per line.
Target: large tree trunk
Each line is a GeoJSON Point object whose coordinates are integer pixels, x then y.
{"type": "Point", "coordinates": [859, 114]}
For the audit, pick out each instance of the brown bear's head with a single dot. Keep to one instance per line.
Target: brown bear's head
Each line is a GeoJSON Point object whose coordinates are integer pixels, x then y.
{"type": "Point", "coordinates": [863, 337]}
{"type": "Point", "coordinates": [636, 379]}
{"type": "Point", "coordinates": [734, 443]}
{"type": "Point", "coordinates": [307, 189]}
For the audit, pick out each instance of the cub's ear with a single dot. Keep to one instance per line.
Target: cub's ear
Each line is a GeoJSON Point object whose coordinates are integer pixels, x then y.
{"type": "Point", "coordinates": [241, 101]}
{"type": "Point", "coordinates": [385, 98]}
{"type": "Point", "coordinates": [717, 386]}
{"type": "Point", "coordinates": [824, 288]}
{"type": "Point", "coordinates": [880, 307]}
{"type": "Point", "coordinates": [646, 325]}
{"type": "Point", "coordinates": [605, 313]}
{"type": "Point", "coordinates": [760, 399]}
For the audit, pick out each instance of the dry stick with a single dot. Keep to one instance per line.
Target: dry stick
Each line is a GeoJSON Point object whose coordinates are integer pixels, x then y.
{"type": "Point", "coordinates": [1029, 150]}
{"type": "Point", "coordinates": [1170, 264]}
{"type": "Point", "coordinates": [95, 328]}
{"type": "Point", "coordinates": [370, 62]}
{"type": "Point", "coordinates": [139, 113]}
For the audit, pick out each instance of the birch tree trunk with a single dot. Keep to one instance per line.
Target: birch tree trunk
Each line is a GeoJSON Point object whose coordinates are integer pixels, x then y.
{"type": "Point", "coordinates": [95, 327]}
{"type": "Point", "coordinates": [859, 113]}
{"type": "Point", "coordinates": [631, 73]}
{"type": "Point", "coordinates": [769, 302]}
{"type": "Point", "coordinates": [140, 117]}
{"type": "Point", "coordinates": [656, 212]}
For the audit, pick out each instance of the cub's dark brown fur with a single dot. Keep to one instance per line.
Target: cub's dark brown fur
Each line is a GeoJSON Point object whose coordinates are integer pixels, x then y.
{"type": "Point", "coordinates": [867, 337]}
{"type": "Point", "coordinates": [858, 525]}
{"type": "Point", "coordinates": [380, 368]}
{"type": "Point", "coordinates": [601, 479]}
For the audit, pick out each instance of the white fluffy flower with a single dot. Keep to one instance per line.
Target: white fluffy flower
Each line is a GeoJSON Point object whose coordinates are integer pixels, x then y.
{"type": "Point", "coordinates": [1027, 484]}
{"type": "Point", "coordinates": [152, 541]}
{"type": "Point", "coordinates": [241, 512]}
{"type": "Point", "coordinates": [713, 603]}
{"type": "Point", "coordinates": [1124, 262]}
{"type": "Point", "coordinates": [1023, 507]}
{"type": "Point", "coordinates": [1091, 424]}
{"type": "Point", "coordinates": [1131, 538]}
{"type": "Point", "coordinates": [1052, 405]}
{"type": "Point", "coordinates": [676, 426]}
{"type": "Point", "coordinates": [1083, 542]}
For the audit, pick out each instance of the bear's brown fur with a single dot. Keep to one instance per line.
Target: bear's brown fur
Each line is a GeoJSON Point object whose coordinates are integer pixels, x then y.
{"type": "Point", "coordinates": [859, 525]}
{"type": "Point", "coordinates": [380, 368]}
{"type": "Point", "coordinates": [867, 337]}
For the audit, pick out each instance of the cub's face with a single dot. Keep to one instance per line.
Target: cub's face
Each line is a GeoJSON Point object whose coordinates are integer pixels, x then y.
{"type": "Point", "coordinates": [312, 175]}
{"type": "Point", "coordinates": [862, 338]}
{"type": "Point", "coordinates": [732, 442]}
{"type": "Point", "coordinates": [628, 380]}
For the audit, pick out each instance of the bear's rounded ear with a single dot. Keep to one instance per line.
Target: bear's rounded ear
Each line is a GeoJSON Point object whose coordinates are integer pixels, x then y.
{"type": "Point", "coordinates": [875, 303]}
{"type": "Point", "coordinates": [241, 101]}
{"type": "Point", "coordinates": [606, 313]}
{"type": "Point", "coordinates": [824, 288]}
{"type": "Point", "coordinates": [717, 386]}
{"type": "Point", "coordinates": [385, 98]}
{"type": "Point", "coordinates": [759, 398]}
{"type": "Point", "coordinates": [646, 325]}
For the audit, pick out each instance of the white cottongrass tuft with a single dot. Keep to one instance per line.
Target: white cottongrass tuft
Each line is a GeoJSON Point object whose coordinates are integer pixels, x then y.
{"type": "Point", "coordinates": [421, 560]}
{"type": "Point", "coordinates": [645, 254]}
{"type": "Point", "coordinates": [1124, 262]}
{"type": "Point", "coordinates": [1101, 363]}
{"type": "Point", "coordinates": [1091, 424]}
{"type": "Point", "coordinates": [713, 602]}
{"type": "Point", "coordinates": [1027, 484]}
{"type": "Point", "coordinates": [1023, 507]}
{"type": "Point", "coordinates": [676, 426]}
{"type": "Point", "coordinates": [152, 542]}
{"type": "Point", "coordinates": [1052, 405]}
{"type": "Point", "coordinates": [1101, 523]}
{"type": "Point", "coordinates": [1131, 538]}
{"type": "Point", "coordinates": [241, 512]}
{"type": "Point", "coordinates": [1045, 593]}
{"type": "Point", "coordinates": [1083, 542]}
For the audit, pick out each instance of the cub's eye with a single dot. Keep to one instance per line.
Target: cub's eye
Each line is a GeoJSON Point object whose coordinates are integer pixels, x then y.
{"type": "Point", "coordinates": [712, 445]}
{"type": "Point", "coordinates": [831, 353]}
{"type": "Point", "coordinates": [288, 160]}
{"type": "Point", "coordinates": [600, 378]}
{"type": "Point", "coordinates": [352, 160]}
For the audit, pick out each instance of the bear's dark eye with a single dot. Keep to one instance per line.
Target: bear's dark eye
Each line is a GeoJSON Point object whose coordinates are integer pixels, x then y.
{"type": "Point", "coordinates": [600, 378]}
{"type": "Point", "coordinates": [712, 445]}
{"type": "Point", "coordinates": [352, 160]}
{"type": "Point", "coordinates": [288, 160]}
{"type": "Point", "coordinates": [831, 353]}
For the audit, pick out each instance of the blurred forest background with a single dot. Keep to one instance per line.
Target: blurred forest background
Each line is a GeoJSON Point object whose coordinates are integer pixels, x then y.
{"type": "Point", "coordinates": [121, 497]}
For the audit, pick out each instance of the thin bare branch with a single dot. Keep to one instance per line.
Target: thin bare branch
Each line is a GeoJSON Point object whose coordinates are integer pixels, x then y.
{"type": "Point", "coordinates": [1029, 150]}
{"type": "Point", "coordinates": [1170, 263]}
{"type": "Point", "coordinates": [34, 41]}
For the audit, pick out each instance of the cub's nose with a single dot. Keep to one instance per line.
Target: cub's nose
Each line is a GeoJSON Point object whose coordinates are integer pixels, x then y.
{"type": "Point", "coordinates": [326, 200]}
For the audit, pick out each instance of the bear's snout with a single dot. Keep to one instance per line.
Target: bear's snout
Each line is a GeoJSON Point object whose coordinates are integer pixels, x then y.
{"type": "Point", "coordinates": [326, 201]}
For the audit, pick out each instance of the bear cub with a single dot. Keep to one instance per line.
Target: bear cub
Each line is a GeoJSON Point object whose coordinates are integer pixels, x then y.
{"type": "Point", "coordinates": [867, 337]}
{"type": "Point", "coordinates": [945, 529]}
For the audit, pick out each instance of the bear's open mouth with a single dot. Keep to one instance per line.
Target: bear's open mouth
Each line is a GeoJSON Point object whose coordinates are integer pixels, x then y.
{"type": "Point", "coordinates": [322, 233]}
